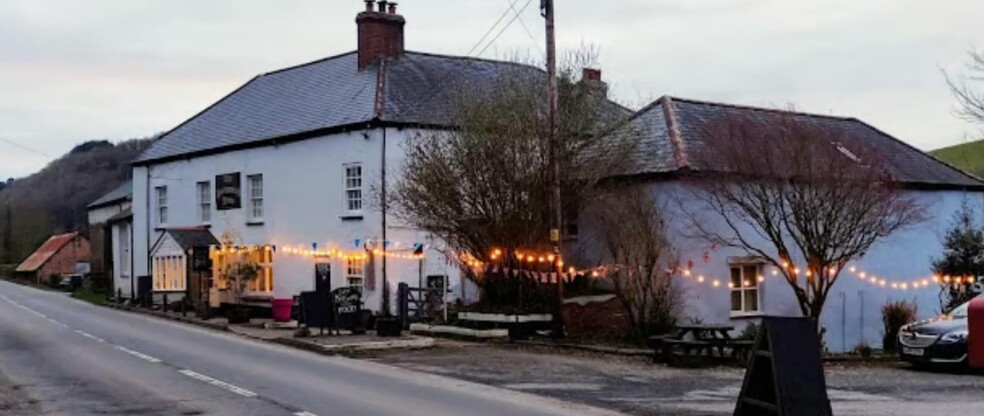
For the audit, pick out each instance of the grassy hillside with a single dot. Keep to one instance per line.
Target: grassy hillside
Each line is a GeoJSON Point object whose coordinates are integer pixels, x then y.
{"type": "Point", "coordinates": [967, 156]}
{"type": "Point", "coordinates": [53, 200]}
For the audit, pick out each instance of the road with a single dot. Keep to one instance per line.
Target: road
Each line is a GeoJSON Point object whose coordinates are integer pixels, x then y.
{"type": "Point", "coordinates": [74, 358]}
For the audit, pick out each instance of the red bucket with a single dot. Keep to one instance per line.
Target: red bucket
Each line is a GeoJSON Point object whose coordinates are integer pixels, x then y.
{"type": "Point", "coordinates": [281, 309]}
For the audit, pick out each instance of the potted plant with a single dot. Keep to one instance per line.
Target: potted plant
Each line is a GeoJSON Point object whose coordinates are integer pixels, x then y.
{"type": "Point", "coordinates": [239, 275]}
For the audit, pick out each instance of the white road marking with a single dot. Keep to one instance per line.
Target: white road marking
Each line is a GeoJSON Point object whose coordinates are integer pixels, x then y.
{"type": "Point", "coordinates": [139, 355]}
{"type": "Point", "coordinates": [304, 414]}
{"type": "Point", "coordinates": [90, 336]}
{"type": "Point", "coordinates": [554, 386]}
{"type": "Point", "coordinates": [201, 377]}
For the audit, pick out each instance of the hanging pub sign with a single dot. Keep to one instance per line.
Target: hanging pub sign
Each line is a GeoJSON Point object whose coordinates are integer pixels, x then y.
{"type": "Point", "coordinates": [228, 192]}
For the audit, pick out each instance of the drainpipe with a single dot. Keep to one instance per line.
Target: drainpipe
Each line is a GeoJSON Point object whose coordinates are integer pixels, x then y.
{"type": "Point", "coordinates": [386, 301]}
{"type": "Point", "coordinates": [133, 290]}
{"type": "Point", "coordinates": [147, 219]}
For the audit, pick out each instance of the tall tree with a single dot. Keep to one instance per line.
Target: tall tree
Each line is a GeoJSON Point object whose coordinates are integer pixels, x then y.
{"type": "Point", "coordinates": [969, 88]}
{"type": "Point", "coordinates": [799, 194]}
{"type": "Point", "coordinates": [485, 184]}
{"type": "Point", "coordinates": [963, 258]}
{"type": "Point", "coordinates": [633, 232]}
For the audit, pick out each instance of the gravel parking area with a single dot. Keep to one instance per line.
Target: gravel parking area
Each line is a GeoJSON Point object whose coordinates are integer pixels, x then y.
{"type": "Point", "coordinates": [636, 386]}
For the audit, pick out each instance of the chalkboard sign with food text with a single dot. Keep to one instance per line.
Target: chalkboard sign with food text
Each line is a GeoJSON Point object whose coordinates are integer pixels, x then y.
{"type": "Point", "coordinates": [228, 192]}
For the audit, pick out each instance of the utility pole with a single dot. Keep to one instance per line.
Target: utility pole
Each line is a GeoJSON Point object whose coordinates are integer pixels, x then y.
{"type": "Point", "coordinates": [556, 209]}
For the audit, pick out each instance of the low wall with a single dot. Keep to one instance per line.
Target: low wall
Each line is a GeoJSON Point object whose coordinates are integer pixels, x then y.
{"type": "Point", "coordinates": [595, 317]}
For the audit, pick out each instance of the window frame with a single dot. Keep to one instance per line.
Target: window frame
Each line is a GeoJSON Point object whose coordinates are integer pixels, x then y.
{"type": "Point", "coordinates": [203, 190]}
{"type": "Point", "coordinates": [744, 290]}
{"type": "Point", "coordinates": [169, 273]}
{"type": "Point", "coordinates": [161, 199]}
{"type": "Point", "coordinates": [348, 189]}
{"type": "Point", "coordinates": [254, 202]}
{"type": "Point", "coordinates": [359, 274]}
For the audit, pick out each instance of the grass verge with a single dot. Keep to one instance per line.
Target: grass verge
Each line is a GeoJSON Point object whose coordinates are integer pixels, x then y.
{"type": "Point", "coordinates": [89, 296]}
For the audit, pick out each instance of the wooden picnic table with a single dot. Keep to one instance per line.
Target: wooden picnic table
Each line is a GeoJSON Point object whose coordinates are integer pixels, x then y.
{"type": "Point", "coordinates": [705, 337]}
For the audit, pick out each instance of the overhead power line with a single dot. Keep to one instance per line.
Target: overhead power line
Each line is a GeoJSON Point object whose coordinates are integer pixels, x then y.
{"type": "Point", "coordinates": [503, 30]}
{"type": "Point", "coordinates": [23, 147]}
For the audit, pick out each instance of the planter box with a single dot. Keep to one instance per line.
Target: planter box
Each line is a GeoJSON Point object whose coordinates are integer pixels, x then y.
{"type": "Point", "coordinates": [503, 318]}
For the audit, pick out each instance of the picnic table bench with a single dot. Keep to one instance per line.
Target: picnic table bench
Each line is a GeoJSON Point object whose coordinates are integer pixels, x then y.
{"type": "Point", "coordinates": [700, 346]}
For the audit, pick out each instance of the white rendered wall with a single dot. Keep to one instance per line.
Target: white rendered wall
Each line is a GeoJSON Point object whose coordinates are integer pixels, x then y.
{"type": "Point", "coordinates": [904, 256]}
{"type": "Point", "coordinates": [303, 185]}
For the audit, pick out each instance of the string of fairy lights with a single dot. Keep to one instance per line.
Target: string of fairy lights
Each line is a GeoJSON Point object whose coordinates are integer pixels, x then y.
{"type": "Point", "coordinates": [312, 251]}
{"type": "Point", "coordinates": [536, 261]}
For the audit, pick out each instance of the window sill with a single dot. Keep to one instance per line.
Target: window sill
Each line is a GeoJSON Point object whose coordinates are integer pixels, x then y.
{"type": "Point", "coordinates": [254, 223]}
{"type": "Point", "coordinates": [747, 315]}
{"type": "Point", "coordinates": [207, 225]}
{"type": "Point", "coordinates": [357, 217]}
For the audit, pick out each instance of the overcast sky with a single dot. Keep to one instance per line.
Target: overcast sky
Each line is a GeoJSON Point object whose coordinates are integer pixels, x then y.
{"type": "Point", "coordinates": [75, 70]}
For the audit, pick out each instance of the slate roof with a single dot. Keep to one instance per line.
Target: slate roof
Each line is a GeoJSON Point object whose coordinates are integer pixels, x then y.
{"type": "Point", "coordinates": [668, 131]}
{"type": "Point", "coordinates": [44, 253]}
{"type": "Point", "coordinates": [328, 94]}
{"type": "Point", "coordinates": [188, 238]}
{"type": "Point", "coordinates": [122, 216]}
{"type": "Point", "coordinates": [120, 193]}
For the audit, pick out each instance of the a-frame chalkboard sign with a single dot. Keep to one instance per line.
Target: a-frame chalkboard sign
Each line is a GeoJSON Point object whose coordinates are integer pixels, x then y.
{"type": "Point", "coordinates": [785, 373]}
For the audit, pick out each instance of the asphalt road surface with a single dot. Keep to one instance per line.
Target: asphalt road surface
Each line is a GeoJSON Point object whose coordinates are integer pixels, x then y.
{"type": "Point", "coordinates": [72, 358]}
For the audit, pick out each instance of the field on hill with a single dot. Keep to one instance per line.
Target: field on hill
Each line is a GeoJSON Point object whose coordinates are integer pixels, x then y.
{"type": "Point", "coordinates": [967, 156]}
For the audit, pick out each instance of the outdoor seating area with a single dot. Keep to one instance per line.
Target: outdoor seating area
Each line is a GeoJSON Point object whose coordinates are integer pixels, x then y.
{"type": "Point", "coordinates": [692, 345]}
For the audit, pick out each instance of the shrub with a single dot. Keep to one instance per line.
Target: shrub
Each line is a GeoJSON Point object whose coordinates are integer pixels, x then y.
{"type": "Point", "coordinates": [749, 333]}
{"type": "Point", "coordinates": [894, 316]}
{"type": "Point", "coordinates": [863, 349]}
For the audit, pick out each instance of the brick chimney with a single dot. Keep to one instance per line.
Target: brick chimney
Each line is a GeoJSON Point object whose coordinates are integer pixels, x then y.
{"type": "Point", "coordinates": [380, 32]}
{"type": "Point", "coordinates": [591, 78]}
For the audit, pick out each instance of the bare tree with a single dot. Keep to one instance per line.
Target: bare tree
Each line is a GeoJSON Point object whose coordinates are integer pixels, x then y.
{"type": "Point", "coordinates": [633, 231]}
{"type": "Point", "coordinates": [484, 185]}
{"type": "Point", "coordinates": [798, 193]}
{"type": "Point", "coordinates": [969, 89]}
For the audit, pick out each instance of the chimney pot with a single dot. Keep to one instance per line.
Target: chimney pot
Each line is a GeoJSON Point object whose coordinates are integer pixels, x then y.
{"type": "Point", "coordinates": [591, 74]}
{"type": "Point", "coordinates": [591, 78]}
{"type": "Point", "coordinates": [380, 33]}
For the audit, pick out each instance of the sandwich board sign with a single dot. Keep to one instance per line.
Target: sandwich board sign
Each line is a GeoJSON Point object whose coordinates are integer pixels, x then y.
{"type": "Point", "coordinates": [785, 373]}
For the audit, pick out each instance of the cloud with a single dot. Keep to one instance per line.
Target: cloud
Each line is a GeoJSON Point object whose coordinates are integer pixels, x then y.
{"type": "Point", "coordinates": [130, 68]}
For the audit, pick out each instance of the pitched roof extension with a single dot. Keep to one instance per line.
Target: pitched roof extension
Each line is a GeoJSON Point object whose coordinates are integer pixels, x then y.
{"type": "Point", "coordinates": [331, 94]}
{"type": "Point", "coordinates": [120, 193]}
{"type": "Point", "coordinates": [670, 130]}
{"type": "Point", "coordinates": [41, 256]}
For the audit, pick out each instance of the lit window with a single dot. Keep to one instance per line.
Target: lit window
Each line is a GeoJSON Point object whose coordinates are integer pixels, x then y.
{"type": "Point", "coordinates": [355, 272]}
{"type": "Point", "coordinates": [205, 202]}
{"type": "Point", "coordinates": [745, 288]}
{"type": "Point", "coordinates": [161, 205]}
{"type": "Point", "coordinates": [264, 282]}
{"type": "Point", "coordinates": [255, 197]}
{"type": "Point", "coordinates": [169, 273]}
{"type": "Point", "coordinates": [353, 187]}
